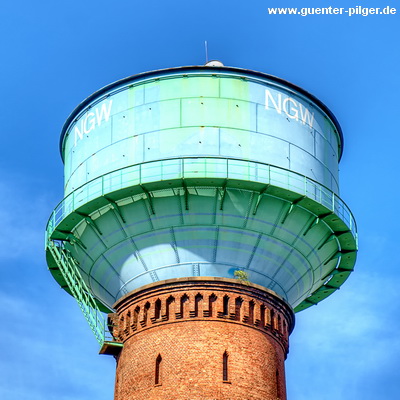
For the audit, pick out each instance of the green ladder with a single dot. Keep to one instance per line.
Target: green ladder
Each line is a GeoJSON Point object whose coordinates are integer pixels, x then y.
{"type": "Point", "coordinates": [88, 305]}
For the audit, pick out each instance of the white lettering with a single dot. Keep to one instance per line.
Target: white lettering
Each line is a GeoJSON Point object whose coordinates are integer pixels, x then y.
{"type": "Point", "coordinates": [104, 113]}
{"type": "Point", "coordinates": [92, 120]}
{"type": "Point", "coordinates": [306, 115]}
{"type": "Point", "coordinates": [77, 133]}
{"type": "Point", "coordinates": [92, 123]}
{"type": "Point", "coordinates": [290, 107]}
{"type": "Point", "coordinates": [268, 96]}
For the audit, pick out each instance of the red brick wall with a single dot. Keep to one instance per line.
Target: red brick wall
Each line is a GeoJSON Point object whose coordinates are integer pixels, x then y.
{"type": "Point", "coordinates": [174, 321]}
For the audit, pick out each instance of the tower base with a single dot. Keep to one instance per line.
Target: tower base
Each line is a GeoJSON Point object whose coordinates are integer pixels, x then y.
{"type": "Point", "coordinates": [202, 339]}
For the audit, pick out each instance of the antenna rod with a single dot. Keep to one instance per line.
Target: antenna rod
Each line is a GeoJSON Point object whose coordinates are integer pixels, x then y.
{"type": "Point", "coordinates": [206, 48]}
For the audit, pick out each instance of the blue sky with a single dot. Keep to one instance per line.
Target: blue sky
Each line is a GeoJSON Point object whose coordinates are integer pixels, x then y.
{"type": "Point", "coordinates": [54, 54]}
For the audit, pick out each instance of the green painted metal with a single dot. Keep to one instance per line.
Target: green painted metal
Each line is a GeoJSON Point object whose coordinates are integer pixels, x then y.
{"type": "Point", "coordinates": [78, 288]}
{"type": "Point", "coordinates": [205, 167]}
{"type": "Point", "coordinates": [211, 114]}
{"type": "Point", "coordinates": [198, 171]}
{"type": "Point", "coordinates": [298, 191]}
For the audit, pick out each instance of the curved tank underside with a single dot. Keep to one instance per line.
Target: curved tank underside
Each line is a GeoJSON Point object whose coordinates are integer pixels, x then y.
{"type": "Point", "coordinates": [201, 171]}
{"type": "Point", "coordinates": [168, 220]}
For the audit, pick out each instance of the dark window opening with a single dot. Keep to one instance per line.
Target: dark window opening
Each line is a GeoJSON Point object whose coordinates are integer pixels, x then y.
{"type": "Point", "coordinates": [157, 380]}
{"type": "Point", "coordinates": [262, 315]}
{"type": "Point", "coordinates": [226, 305]}
{"type": "Point", "coordinates": [211, 300]}
{"type": "Point", "coordinates": [128, 321]}
{"type": "Point", "coordinates": [225, 367]}
{"type": "Point", "coordinates": [238, 305]}
{"type": "Point", "coordinates": [197, 304]}
{"type": "Point", "coordinates": [251, 312]}
{"type": "Point", "coordinates": [170, 300]}
{"type": "Point", "coordinates": [272, 319]}
{"type": "Point", "coordinates": [184, 300]}
{"type": "Point", "coordinates": [157, 309]}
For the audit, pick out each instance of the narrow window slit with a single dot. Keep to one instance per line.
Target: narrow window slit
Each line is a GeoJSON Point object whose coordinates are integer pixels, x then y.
{"type": "Point", "coordinates": [184, 305]}
{"type": "Point", "coordinates": [251, 312]}
{"type": "Point", "coordinates": [225, 376]}
{"type": "Point", "coordinates": [170, 302]}
{"type": "Point", "coordinates": [135, 318]}
{"type": "Point", "coordinates": [262, 315]}
{"type": "Point", "coordinates": [157, 309]}
{"type": "Point", "coordinates": [238, 305]}
{"type": "Point", "coordinates": [211, 300]}
{"type": "Point", "coordinates": [225, 305]}
{"type": "Point", "coordinates": [157, 380]}
{"type": "Point", "coordinates": [198, 304]}
{"type": "Point", "coordinates": [145, 314]}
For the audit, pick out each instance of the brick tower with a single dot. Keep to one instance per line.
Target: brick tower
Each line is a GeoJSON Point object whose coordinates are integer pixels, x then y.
{"type": "Point", "coordinates": [201, 210]}
{"type": "Point", "coordinates": [202, 338]}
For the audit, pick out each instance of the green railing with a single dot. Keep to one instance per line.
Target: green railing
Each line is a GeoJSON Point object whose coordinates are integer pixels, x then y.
{"type": "Point", "coordinates": [202, 167]}
{"type": "Point", "coordinates": [166, 170]}
{"type": "Point", "coordinates": [81, 292]}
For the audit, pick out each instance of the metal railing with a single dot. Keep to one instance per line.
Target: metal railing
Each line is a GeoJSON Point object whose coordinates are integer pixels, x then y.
{"type": "Point", "coordinates": [80, 291]}
{"type": "Point", "coordinates": [165, 170]}
{"type": "Point", "coordinates": [201, 167]}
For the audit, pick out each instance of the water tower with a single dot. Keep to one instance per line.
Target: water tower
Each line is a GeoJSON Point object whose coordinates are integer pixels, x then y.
{"type": "Point", "coordinates": [201, 210]}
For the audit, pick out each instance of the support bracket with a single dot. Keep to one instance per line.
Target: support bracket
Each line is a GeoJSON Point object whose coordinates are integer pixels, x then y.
{"type": "Point", "coordinates": [223, 189]}
{"type": "Point", "coordinates": [149, 199]}
{"type": "Point", "coordinates": [70, 237]}
{"type": "Point", "coordinates": [90, 222]}
{"type": "Point", "coordinates": [328, 239]}
{"type": "Point", "coordinates": [337, 255]}
{"type": "Point", "coordinates": [291, 207]}
{"type": "Point", "coordinates": [314, 222]}
{"type": "Point", "coordinates": [186, 194]}
{"type": "Point", "coordinates": [259, 197]}
{"type": "Point", "coordinates": [116, 207]}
